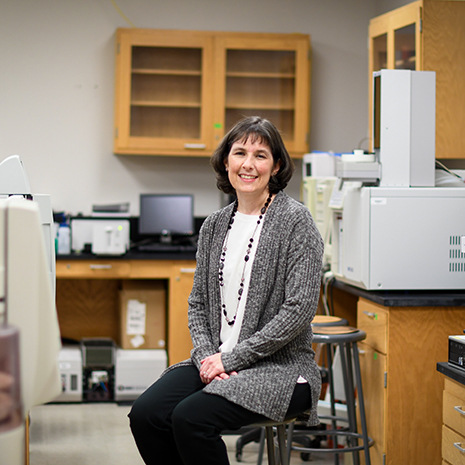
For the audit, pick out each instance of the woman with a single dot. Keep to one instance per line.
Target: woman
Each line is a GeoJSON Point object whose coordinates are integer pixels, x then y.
{"type": "Point", "coordinates": [255, 293]}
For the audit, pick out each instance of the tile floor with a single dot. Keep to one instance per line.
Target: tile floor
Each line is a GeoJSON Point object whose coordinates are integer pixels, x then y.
{"type": "Point", "coordinates": [98, 433]}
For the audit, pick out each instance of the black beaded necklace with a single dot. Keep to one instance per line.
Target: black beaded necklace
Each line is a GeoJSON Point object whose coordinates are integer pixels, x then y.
{"type": "Point", "coordinates": [246, 259]}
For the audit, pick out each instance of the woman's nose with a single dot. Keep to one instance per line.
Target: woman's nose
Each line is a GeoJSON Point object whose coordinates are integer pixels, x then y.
{"type": "Point", "coordinates": [248, 162]}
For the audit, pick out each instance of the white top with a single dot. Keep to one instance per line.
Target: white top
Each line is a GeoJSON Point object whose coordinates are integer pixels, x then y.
{"type": "Point", "coordinates": [239, 235]}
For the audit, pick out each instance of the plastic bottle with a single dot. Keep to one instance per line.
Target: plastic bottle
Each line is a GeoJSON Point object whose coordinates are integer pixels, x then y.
{"type": "Point", "coordinates": [64, 239]}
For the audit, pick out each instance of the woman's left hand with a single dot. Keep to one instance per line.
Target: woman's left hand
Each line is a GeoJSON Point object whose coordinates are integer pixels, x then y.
{"type": "Point", "coordinates": [211, 368]}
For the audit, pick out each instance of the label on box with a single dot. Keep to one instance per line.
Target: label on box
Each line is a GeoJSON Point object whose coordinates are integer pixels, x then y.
{"type": "Point", "coordinates": [135, 318]}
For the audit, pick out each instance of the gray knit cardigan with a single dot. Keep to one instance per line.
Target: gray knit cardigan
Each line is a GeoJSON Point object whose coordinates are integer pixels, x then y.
{"type": "Point", "coordinates": [274, 345]}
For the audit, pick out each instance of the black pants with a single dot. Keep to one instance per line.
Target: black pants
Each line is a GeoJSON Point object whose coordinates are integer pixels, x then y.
{"type": "Point", "coordinates": [175, 423]}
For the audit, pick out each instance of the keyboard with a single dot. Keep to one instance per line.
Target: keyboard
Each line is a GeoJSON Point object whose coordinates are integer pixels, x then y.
{"type": "Point", "coordinates": [160, 247]}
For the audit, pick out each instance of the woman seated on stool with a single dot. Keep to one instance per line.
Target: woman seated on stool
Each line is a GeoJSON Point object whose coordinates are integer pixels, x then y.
{"type": "Point", "coordinates": [255, 293]}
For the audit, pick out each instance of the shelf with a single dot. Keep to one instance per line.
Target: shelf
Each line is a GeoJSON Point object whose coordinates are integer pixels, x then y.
{"type": "Point", "coordinates": [166, 72]}
{"type": "Point", "coordinates": [259, 106]}
{"type": "Point", "coordinates": [260, 75]}
{"type": "Point", "coordinates": [158, 104]}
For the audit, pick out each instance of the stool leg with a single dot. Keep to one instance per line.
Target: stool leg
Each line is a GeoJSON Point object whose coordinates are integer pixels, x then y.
{"type": "Point", "coordinates": [282, 444]}
{"type": "Point", "coordinates": [270, 445]}
{"type": "Point", "coordinates": [329, 356]}
{"type": "Point", "coordinates": [290, 433]}
{"type": "Point", "coordinates": [261, 447]}
{"type": "Point", "coordinates": [348, 375]}
{"type": "Point", "coordinates": [361, 402]}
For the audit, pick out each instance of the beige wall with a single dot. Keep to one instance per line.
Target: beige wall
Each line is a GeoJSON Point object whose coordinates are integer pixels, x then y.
{"type": "Point", "coordinates": [56, 89]}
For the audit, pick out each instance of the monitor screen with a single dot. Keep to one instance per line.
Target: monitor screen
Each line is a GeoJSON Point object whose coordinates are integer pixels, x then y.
{"type": "Point", "coordinates": [166, 214]}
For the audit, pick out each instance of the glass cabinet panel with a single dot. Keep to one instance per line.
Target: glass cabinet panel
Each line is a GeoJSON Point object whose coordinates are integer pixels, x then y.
{"type": "Point", "coordinates": [166, 92]}
{"type": "Point", "coordinates": [404, 47]}
{"type": "Point", "coordinates": [380, 52]}
{"type": "Point", "coordinates": [261, 82]}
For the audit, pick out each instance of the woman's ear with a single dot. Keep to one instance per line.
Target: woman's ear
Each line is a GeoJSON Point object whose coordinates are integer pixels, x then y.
{"type": "Point", "coordinates": [277, 167]}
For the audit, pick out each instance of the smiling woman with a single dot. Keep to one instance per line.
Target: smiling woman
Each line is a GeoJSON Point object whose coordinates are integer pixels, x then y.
{"type": "Point", "coordinates": [255, 292]}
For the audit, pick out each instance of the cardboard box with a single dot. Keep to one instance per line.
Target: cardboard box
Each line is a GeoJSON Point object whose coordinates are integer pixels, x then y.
{"type": "Point", "coordinates": [143, 315]}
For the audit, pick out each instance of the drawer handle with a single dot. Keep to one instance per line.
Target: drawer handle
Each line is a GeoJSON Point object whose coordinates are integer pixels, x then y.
{"type": "Point", "coordinates": [459, 447]}
{"type": "Point", "coordinates": [187, 270]}
{"type": "Point", "coordinates": [100, 267]}
{"type": "Point", "coordinates": [194, 146]}
{"type": "Point", "coordinates": [459, 409]}
{"type": "Point", "coordinates": [371, 314]}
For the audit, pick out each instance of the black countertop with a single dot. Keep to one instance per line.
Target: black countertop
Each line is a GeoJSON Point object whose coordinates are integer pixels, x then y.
{"type": "Point", "coordinates": [423, 298]}
{"type": "Point", "coordinates": [456, 374]}
{"type": "Point", "coordinates": [131, 255]}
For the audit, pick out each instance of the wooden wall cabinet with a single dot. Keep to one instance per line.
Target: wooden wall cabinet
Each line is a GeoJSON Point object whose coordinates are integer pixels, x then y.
{"type": "Point", "coordinates": [426, 35]}
{"type": "Point", "coordinates": [179, 92]}
{"type": "Point", "coordinates": [402, 389]}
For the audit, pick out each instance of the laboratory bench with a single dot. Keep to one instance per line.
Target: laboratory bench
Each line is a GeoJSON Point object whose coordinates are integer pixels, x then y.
{"type": "Point", "coordinates": [407, 334]}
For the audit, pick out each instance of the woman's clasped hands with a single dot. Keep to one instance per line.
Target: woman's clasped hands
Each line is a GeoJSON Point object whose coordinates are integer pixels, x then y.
{"type": "Point", "coordinates": [212, 368]}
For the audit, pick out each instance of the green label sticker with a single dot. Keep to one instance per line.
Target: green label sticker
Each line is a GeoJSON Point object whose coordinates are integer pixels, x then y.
{"type": "Point", "coordinates": [217, 125]}
{"type": "Point", "coordinates": [375, 356]}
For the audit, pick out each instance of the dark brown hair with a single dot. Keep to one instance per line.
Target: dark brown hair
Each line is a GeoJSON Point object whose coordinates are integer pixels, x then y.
{"type": "Point", "coordinates": [253, 128]}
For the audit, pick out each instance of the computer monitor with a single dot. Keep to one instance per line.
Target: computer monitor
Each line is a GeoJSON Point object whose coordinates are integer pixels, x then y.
{"type": "Point", "coordinates": [166, 215]}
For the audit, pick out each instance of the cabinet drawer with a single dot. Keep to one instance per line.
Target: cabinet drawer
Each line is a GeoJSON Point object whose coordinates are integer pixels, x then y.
{"type": "Point", "coordinates": [373, 319]}
{"type": "Point", "coordinates": [93, 269]}
{"type": "Point", "coordinates": [454, 410]}
{"type": "Point", "coordinates": [453, 446]}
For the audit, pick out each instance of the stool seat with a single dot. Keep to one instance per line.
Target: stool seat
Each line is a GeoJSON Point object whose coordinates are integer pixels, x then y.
{"type": "Point", "coordinates": [328, 320]}
{"type": "Point", "coordinates": [337, 334]}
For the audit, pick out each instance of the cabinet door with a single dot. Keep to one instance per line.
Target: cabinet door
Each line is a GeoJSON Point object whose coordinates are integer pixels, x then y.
{"type": "Point", "coordinates": [163, 92]}
{"type": "Point", "coordinates": [394, 43]}
{"type": "Point", "coordinates": [373, 368]}
{"type": "Point", "coordinates": [179, 340]}
{"type": "Point", "coordinates": [268, 76]}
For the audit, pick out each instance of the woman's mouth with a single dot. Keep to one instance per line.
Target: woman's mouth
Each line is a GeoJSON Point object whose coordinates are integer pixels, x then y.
{"type": "Point", "coordinates": [247, 177]}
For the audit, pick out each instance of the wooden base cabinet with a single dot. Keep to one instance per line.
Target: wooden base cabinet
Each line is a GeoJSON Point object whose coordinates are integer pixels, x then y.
{"type": "Point", "coordinates": [88, 303]}
{"type": "Point", "coordinates": [179, 92]}
{"type": "Point", "coordinates": [402, 389]}
{"type": "Point", "coordinates": [453, 428]}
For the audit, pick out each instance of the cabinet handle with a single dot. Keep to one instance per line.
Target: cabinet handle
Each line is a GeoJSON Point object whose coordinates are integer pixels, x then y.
{"type": "Point", "coordinates": [458, 445]}
{"type": "Point", "coordinates": [100, 267]}
{"type": "Point", "coordinates": [194, 146]}
{"type": "Point", "coordinates": [370, 314]}
{"type": "Point", "coordinates": [187, 270]}
{"type": "Point", "coordinates": [459, 409]}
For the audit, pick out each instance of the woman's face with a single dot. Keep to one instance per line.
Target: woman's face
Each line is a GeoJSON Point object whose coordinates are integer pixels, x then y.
{"type": "Point", "coordinates": [250, 166]}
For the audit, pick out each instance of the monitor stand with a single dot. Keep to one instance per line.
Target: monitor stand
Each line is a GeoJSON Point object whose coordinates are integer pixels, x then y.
{"type": "Point", "coordinates": [166, 237]}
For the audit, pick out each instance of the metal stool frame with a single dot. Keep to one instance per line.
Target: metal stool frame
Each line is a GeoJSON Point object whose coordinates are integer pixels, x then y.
{"type": "Point", "coordinates": [347, 342]}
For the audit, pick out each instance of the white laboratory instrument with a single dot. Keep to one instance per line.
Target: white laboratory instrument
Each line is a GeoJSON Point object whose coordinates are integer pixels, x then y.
{"type": "Point", "coordinates": [401, 238]}
{"type": "Point", "coordinates": [136, 370]}
{"type": "Point", "coordinates": [27, 293]}
{"type": "Point", "coordinates": [105, 236]}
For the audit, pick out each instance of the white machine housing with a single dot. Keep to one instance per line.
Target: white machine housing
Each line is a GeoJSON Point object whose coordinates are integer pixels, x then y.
{"type": "Point", "coordinates": [404, 125]}
{"type": "Point", "coordinates": [70, 363]}
{"type": "Point", "coordinates": [136, 370]}
{"type": "Point", "coordinates": [401, 238]}
{"type": "Point", "coordinates": [107, 236]}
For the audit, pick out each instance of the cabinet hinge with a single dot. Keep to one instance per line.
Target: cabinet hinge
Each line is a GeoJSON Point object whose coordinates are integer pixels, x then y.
{"type": "Point", "coordinates": [384, 459]}
{"type": "Point", "coordinates": [116, 133]}
{"type": "Point", "coordinates": [385, 379]}
{"type": "Point", "coordinates": [420, 23]}
{"type": "Point", "coordinates": [117, 48]}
